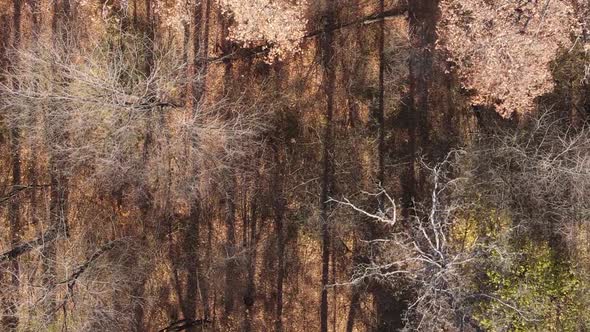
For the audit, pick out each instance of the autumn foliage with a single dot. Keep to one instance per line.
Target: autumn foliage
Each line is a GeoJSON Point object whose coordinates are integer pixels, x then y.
{"type": "Point", "coordinates": [502, 49]}
{"type": "Point", "coordinates": [291, 165]}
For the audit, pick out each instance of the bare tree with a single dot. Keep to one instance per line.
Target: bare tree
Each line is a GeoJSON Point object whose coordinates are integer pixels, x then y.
{"type": "Point", "coordinates": [420, 250]}
{"type": "Point", "coordinates": [539, 173]}
{"type": "Point", "coordinates": [100, 98]}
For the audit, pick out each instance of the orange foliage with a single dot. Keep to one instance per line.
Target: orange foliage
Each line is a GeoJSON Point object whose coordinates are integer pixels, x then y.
{"type": "Point", "coordinates": [503, 47]}
{"type": "Point", "coordinates": [281, 24]}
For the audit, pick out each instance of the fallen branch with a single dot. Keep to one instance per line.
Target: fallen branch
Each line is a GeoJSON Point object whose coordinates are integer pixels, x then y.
{"type": "Point", "coordinates": [71, 280]}
{"type": "Point", "coordinates": [18, 188]}
{"type": "Point", "coordinates": [376, 17]}
{"type": "Point", "coordinates": [49, 236]}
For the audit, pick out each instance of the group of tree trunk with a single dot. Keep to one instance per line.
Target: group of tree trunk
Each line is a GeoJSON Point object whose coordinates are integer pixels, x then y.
{"type": "Point", "coordinates": [159, 173]}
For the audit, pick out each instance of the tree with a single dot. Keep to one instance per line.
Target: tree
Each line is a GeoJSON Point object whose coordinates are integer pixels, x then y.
{"type": "Point", "coordinates": [277, 25]}
{"type": "Point", "coordinates": [419, 249]}
{"type": "Point", "coordinates": [500, 211]}
{"type": "Point", "coordinates": [100, 98]}
{"type": "Point", "coordinates": [502, 49]}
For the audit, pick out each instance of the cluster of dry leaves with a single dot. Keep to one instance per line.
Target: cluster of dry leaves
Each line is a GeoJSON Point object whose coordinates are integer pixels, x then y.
{"type": "Point", "coordinates": [175, 14]}
{"type": "Point", "coordinates": [503, 47]}
{"type": "Point", "coordinates": [279, 25]}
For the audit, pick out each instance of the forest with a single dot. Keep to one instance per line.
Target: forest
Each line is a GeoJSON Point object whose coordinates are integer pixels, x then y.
{"type": "Point", "coordinates": [294, 165]}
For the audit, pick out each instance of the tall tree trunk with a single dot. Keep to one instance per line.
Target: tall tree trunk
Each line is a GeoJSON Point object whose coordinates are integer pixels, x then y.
{"type": "Point", "coordinates": [230, 217]}
{"type": "Point", "coordinates": [192, 261]}
{"type": "Point", "coordinates": [134, 14]}
{"type": "Point", "coordinates": [230, 248]}
{"type": "Point", "coordinates": [146, 204]}
{"type": "Point", "coordinates": [380, 101]}
{"type": "Point", "coordinates": [209, 254]}
{"type": "Point", "coordinates": [422, 22]}
{"type": "Point", "coordinates": [10, 315]}
{"type": "Point", "coordinates": [59, 192]}
{"type": "Point", "coordinates": [389, 312]}
{"type": "Point", "coordinates": [201, 48]}
{"type": "Point", "coordinates": [58, 219]}
{"type": "Point", "coordinates": [380, 115]}
{"type": "Point", "coordinates": [249, 297]}
{"type": "Point", "coordinates": [10, 320]}
{"type": "Point", "coordinates": [205, 47]}
{"type": "Point", "coordinates": [32, 169]}
{"type": "Point", "coordinates": [197, 50]}
{"type": "Point", "coordinates": [279, 205]}
{"type": "Point", "coordinates": [191, 238]}
{"type": "Point", "coordinates": [327, 48]}
{"type": "Point", "coordinates": [355, 305]}
{"type": "Point", "coordinates": [333, 281]}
